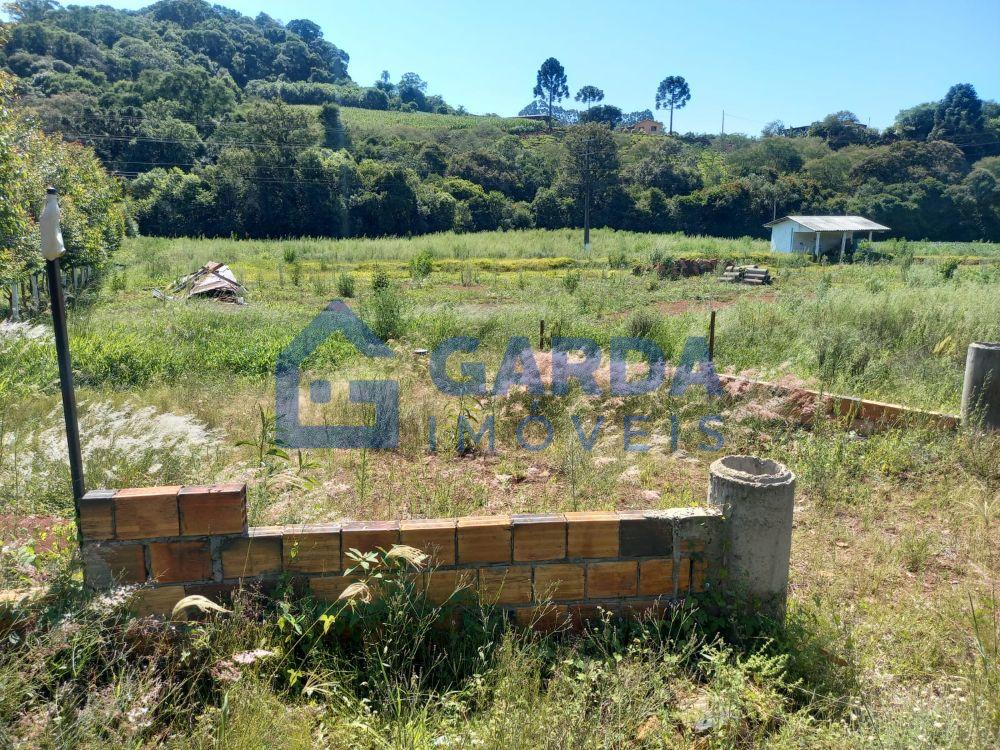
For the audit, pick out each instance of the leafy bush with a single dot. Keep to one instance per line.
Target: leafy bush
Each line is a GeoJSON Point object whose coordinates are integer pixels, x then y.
{"type": "Point", "coordinates": [618, 260]}
{"type": "Point", "coordinates": [380, 279]}
{"type": "Point", "coordinates": [571, 281]}
{"type": "Point", "coordinates": [345, 285]}
{"type": "Point", "coordinates": [384, 314]}
{"type": "Point", "coordinates": [948, 267]}
{"type": "Point", "coordinates": [642, 324]}
{"type": "Point", "coordinates": [422, 265]}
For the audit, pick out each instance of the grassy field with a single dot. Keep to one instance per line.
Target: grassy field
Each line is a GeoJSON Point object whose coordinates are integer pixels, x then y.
{"type": "Point", "coordinates": [365, 120]}
{"type": "Point", "coordinates": [894, 626]}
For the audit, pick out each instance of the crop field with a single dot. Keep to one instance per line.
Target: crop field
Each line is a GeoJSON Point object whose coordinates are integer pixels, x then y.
{"type": "Point", "coordinates": [894, 624]}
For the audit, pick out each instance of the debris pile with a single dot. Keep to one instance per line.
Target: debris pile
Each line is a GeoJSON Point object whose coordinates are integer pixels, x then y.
{"type": "Point", "coordinates": [753, 275]}
{"type": "Point", "coordinates": [211, 280]}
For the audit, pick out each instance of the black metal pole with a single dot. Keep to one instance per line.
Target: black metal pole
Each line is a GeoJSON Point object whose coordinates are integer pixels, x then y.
{"type": "Point", "coordinates": [66, 379]}
{"type": "Point", "coordinates": [711, 337]}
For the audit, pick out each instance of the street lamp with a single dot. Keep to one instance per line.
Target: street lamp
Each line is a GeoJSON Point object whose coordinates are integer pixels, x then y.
{"type": "Point", "coordinates": [52, 250]}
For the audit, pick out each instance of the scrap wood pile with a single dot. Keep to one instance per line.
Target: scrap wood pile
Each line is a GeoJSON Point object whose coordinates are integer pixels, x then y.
{"type": "Point", "coordinates": [753, 275]}
{"type": "Point", "coordinates": [214, 280]}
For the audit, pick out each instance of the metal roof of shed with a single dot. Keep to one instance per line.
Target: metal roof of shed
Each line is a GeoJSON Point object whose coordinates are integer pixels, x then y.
{"type": "Point", "coordinates": [833, 223]}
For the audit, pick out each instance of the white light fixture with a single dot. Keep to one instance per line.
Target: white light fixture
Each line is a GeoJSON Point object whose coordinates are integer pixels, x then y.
{"type": "Point", "coordinates": [52, 239]}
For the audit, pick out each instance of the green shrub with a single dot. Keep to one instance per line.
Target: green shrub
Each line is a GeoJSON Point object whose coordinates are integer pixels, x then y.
{"type": "Point", "coordinates": [618, 260]}
{"type": "Point", "coordinates": [642, 324]}
{"type": "Point", "coordinates": [345, 285]}
{"type": "Point", "coordinates": [948, 267]}
{"type": "Point", "coordinates": [380, 279]}
{"type": "Point", "coordinates": [384, 314]}
{"type": "Point", "coordinates": [571, 281]}
{"type": "Point", "coordinates": [422, 265]}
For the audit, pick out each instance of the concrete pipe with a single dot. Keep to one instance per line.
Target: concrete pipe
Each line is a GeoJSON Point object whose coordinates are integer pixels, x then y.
{"type": "Point", "coordinates": [756, 496]}
{"type": "Point", "coordinates": [981, 394]}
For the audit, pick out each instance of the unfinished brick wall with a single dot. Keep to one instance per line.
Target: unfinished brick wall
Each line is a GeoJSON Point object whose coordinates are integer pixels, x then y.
{"type": "Point", "coordinates": [177, 541]}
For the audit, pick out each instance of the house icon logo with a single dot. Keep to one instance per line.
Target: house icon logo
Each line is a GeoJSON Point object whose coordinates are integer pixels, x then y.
{"type": "Point", "coordinates": [383, 434]}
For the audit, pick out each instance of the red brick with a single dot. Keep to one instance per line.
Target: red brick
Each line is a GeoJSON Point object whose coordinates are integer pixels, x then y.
{"type": "Point", "coordinates": [96, 519]}
{"type": "Point", "coordinates": [444, 585]}
{"type": "Point", "coordinates": [146, 513]}
{"type": "Point", "coordinates": [506, 585]}
{"type": "Point", "coordinates": [157, 601]}
{"type": "Point", "coordinates": [656, 578]}
{"type": "Point", "coordinates": [593, 534]}
{"type": "Point", "coordinates": [107, 565]}
{"type": "Point", "coordinates": [329, 588]}
{"type": "Point", "coordinates": [484, 539]}
{"type": "Point", "coordinates": [220, 509]}
{"type": "Point", "coordinates": [540, 537]}
{"type": "Point", "coordinates": [176, 562]}
{"type": "Point", "coordinates": [683, 576]}
{"type": "Point", "coordinates": [699, 573]}
{"type": "Point", "coordinates": [367, 536]}
{"type": "Point", "coordinates": [253, 555]}
{"type": "Point", "coordinates": [612, 580]}
{"type": "Point", "coordinates": [311, 549]}
{"type": "Point", "coordinates": [560, 582]}
{"type": "Point", "coordinates": [435, 537]}
{"type": "Point", "coordinates": [544, 619]}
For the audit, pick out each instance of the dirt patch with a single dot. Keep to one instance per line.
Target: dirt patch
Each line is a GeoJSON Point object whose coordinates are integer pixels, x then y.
{"type": "Point", "coordinates": [44, 533]}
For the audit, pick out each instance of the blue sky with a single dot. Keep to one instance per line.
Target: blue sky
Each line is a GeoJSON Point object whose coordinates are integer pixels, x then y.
{"type": "Point", "coordinates": [793, 61]}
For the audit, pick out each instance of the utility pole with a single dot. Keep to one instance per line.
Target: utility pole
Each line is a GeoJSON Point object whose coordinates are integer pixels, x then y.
{"type": "Point", "coordinates": [589, 180]}
{"type": "Point", "coordinates": [586, 206]}
{"type": "Point", "coordinates": [723, 122]}
{"type": "Point", "coordinates": [53, 249]}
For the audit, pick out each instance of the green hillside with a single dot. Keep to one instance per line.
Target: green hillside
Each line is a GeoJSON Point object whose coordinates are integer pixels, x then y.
{"type": "Point", "coordinates": [228, 125]}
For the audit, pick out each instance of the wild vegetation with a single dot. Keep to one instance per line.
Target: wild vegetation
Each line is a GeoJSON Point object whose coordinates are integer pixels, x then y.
{"type": "Point", "coordinates": [893, 626]}
{"type": "Point", "coordinates": [233, 127]}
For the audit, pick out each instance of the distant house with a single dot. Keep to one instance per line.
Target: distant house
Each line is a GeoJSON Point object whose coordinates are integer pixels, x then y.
{"type": "Point", "coordinates": [818, 235]}
{"type": "Point", "coordinates": [647, 126]}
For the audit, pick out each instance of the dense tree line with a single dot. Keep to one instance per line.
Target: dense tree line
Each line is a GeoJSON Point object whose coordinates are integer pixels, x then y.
{"type": "Point", "coordinates": [286, 172]}
{"type": "Point", "coordinates": [196, 104]}
{"type": "Point", "coordinates": [152, 86]}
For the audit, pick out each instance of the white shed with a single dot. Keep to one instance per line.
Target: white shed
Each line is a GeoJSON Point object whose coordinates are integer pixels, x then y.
{"type": "Point", "coordinates": [818, 234]}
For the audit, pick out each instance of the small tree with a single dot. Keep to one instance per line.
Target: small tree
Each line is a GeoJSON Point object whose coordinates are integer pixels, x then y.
{"type": "Point", "coordinates": [333, 129]}
{"type": "Point", "coordinates": [384, 83]}
{"type": "Point", "coordinates": [589, 95]}
{"type": "Point", "coordinates": [672, 93]}
{"type": "Point", "coordinates": [608, 114]}
{"type": "Point", "coordinates": [551, 85]}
